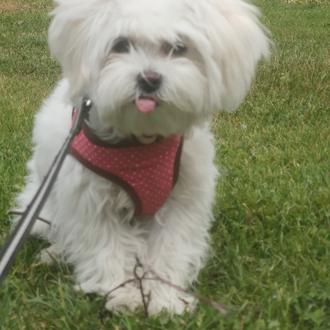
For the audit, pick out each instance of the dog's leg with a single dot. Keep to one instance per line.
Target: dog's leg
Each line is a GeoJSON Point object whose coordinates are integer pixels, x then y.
{"type": "Point", "coordinates": [92, 231]}
{"type": "Point", "coordinates": [178, 240]}
{"type": "Point", "coordinates": [178, 249]}
{"type": "Point", "coordinates": [106, 264]}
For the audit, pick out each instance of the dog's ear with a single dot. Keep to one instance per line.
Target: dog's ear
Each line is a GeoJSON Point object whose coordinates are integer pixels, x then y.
{"type": "Point", "coordinates": [237, 41]}
{"type": "Point", "coordinates": [66, 42]}
{"type": "Point", "coordinates": [72, 37]}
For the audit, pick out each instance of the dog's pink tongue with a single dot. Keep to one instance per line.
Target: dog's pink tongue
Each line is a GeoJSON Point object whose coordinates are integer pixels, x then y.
{"type": "Point", "coordinates": [145, 105]}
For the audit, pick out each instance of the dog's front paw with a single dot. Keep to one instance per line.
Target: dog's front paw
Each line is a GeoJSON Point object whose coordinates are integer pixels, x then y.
{"type": "Point", "coordinates": [173, 302]}
{"type": "Point", "coordinates": [124, 299]}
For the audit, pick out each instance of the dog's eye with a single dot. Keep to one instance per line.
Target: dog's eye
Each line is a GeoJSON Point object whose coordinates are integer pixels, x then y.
{"type": "Point", "coordinates": [166, 48]}
{"type": "Point", "coordinates": [121, 45]}
{"type": "Point", "coordinates": [178, 49]}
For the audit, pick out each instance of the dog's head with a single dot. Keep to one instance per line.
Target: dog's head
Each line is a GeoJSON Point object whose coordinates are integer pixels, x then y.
{"type": "Point", "coordinates": [157, 66]}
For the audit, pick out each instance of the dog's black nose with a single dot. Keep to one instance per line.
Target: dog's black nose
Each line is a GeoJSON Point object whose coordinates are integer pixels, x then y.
{"type": "Point", "coordinates": [149, 81]}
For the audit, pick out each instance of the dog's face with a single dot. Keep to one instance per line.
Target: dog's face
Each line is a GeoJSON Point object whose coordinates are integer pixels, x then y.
{"type": "Point", "coordinates": [156, 67]}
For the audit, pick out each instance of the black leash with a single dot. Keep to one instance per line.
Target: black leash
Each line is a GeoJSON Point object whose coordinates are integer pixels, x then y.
{"type": "Point", "coordinates": [29, 216]}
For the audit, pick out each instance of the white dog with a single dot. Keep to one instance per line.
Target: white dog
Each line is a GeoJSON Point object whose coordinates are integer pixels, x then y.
{"type": "Point", "coordinates": [156, 70]}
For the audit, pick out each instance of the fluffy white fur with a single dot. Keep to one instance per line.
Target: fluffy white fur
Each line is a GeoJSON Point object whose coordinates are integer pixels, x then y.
{"type": "Point", "coordinates": [93, 227]}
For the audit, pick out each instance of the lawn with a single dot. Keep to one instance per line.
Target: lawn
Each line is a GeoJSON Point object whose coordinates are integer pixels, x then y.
{"type": "Point", "coordinates": [271, 239]}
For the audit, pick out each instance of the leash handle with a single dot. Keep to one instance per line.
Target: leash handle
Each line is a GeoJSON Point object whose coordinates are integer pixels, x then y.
{"type": "Point", "coordinates": [29, 216]}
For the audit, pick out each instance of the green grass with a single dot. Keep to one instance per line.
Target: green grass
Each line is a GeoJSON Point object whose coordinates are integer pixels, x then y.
{"type": "Point", "coordinates": [271, 238]}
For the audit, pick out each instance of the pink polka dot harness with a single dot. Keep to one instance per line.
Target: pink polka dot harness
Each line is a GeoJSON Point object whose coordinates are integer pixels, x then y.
{"type": "Point", "coordinates": [147, 172]}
